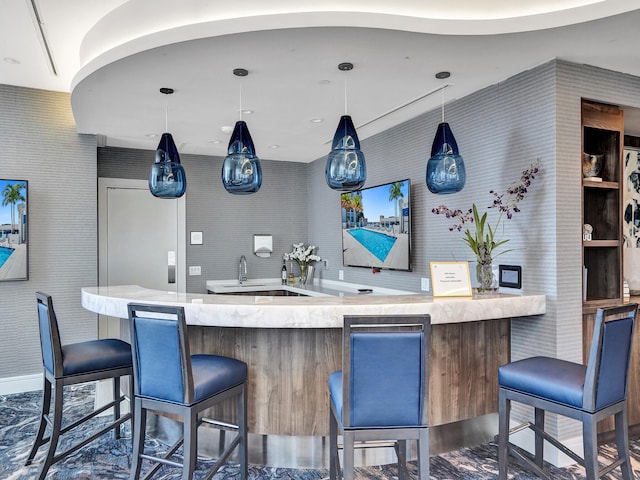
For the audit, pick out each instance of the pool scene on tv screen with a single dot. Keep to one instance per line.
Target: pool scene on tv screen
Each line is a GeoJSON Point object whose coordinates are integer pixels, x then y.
{"type": "Point", "coordinates": [376, 226]}
{"type": "Point", "coordinates": [13, 230]}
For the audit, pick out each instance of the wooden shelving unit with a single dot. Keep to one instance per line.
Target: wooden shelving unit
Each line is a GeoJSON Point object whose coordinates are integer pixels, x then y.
{"type": "Point", "coordinates": [603, 134]}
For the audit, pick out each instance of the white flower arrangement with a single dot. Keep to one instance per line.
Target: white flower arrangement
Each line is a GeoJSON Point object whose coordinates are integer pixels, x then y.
{"type": "Point", "coordinates": [303, 255]}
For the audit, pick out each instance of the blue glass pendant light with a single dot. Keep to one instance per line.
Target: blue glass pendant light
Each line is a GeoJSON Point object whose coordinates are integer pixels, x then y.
{"type": "Point", "coordinates": [167, 178]}
{"type": "Point", "coordinates": [346, 169]}
{"type": "Point", "coordinates": [241, 170]}
{"type": "Point", "coordinates": [445, 168]}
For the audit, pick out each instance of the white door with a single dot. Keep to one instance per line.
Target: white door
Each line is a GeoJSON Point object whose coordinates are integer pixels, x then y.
{"type": "Point", "coordinates": [141, 239]}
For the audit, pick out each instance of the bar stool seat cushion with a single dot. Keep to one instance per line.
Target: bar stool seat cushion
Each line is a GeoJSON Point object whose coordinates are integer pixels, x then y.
{"type": "Point", "coordinates": [213, 374]}
{"type": "Point", "coordinates": [94, 355]}
{"type": "Point", "coordinates": [550, 378]}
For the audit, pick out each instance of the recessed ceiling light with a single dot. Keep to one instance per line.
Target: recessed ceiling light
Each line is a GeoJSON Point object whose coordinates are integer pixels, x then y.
{"type": "Point", "coordinates": [151, 135]}
{"type": "Point", "coordinates": [12, 61]}
{"type": "Point", "coordinates": [317, 120]}
{"type": "Point", "coordinates": [274, 146]}
{"type": "Point", "coordinates": [324, 82]}
{"type": "Point", "coordinates": [247, 112]}
{"type": "Point", "coordinates": [442, 75]}
{"type": "Point", "coordinates": [226, 129]}
{"type": "Point", "coordinates": [215, 141]}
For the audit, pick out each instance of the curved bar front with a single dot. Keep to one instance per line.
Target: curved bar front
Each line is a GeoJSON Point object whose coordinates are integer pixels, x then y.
{"type": "Point", "coordinates": [292, 344]}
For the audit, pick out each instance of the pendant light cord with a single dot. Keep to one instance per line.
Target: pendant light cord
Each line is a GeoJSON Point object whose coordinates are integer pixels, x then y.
{"type": "Point", "coordinates": [166, 116]}
{"type": "Point", "coordinates": [166, 91]}
{"type": "Point", "coordinates": [241, 101]}
{"type": "Point", "coordinates": [443, 87]}
{"type": "Point", "coordinates": [345, 95]}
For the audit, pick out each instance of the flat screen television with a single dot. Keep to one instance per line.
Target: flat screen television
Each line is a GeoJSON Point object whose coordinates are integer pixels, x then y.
{"type": "Point", "coordinates": [376, 226]}
{"type": "Point", "coordinates": [14, 257]}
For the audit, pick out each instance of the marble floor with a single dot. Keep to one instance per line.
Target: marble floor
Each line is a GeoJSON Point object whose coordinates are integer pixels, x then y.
{"type": "Point", "coordinates": [108, 458]}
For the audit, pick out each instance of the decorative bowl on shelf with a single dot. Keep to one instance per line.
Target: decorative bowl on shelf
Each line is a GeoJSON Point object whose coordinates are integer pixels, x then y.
{"type": "Point", "coordinates": [591, 164]}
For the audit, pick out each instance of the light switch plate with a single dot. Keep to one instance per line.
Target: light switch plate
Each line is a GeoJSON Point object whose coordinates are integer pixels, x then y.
{"type": "Point", "coordinates": [195, 270]}
{"type": "Point", "coordinates": [196, 238]}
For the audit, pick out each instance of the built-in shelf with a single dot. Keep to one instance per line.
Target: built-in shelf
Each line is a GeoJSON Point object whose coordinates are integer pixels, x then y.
{"type": "Point", "coordinates": [603, 185]}
{"type": "Point", "coordinates": [602, 134]}
{"type": "Point", "coordinates": [601, 243]}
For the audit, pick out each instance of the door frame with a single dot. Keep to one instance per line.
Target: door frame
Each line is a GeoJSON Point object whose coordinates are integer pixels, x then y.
{"type": "Point", "coordinates": [103, 186]}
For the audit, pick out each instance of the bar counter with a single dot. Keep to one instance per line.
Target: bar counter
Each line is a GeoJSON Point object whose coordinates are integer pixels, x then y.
{"type": "Point", "coordinates": [317, 310]}
{"type": "Point", "coordinates": [291, 344]}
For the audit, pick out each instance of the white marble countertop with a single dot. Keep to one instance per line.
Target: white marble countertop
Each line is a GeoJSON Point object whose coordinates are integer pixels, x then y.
{"type": "Point", "coordinates": [318, 311]}
{"type": "Point", "coordinates": [325, 288]}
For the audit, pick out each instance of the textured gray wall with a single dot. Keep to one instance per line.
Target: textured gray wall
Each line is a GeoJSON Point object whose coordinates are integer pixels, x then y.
{"type": "Point", "coordinates": [500, 131]}
{"type": "Point", "coordinates": [228, 222]}
{"type": "Point", "coordinates": [40, 144]}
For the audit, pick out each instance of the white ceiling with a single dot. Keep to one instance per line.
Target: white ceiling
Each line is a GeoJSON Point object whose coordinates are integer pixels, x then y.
{"type": "Point", "coordinates": [114, 55]}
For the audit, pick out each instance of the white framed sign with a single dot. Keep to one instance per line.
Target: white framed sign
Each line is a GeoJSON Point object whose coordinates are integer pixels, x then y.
{"type": "Point", "coordinates": [450, 279]}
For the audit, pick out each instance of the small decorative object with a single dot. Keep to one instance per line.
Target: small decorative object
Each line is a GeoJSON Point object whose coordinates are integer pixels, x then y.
{"type": "Point", "coordinates": [587, 231]}
{"type": "Point", "coordinates": [626, 292]}
{"type": "Point", "coordinates": [591, 165]}
{"type": "Point", "coordinates": [482, 240]}
{"type": "Point", "coordinates": [167, 178]}
{"type": "Point", "coordinates": [306, 258]}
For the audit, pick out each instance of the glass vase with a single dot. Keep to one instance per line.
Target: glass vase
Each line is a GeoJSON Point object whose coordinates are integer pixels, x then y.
{"type": "Point", "coordinates": [306, 274]}
{"type": "Point", "coordinates": [487, 281]}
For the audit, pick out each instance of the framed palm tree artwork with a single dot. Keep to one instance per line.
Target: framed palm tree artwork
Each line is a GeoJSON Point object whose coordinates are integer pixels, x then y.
{"type": "Point", "coordinates": [14, 229]}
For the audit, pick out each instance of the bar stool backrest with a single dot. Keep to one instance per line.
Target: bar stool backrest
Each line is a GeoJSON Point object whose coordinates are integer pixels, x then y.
{"type": "Point", "coordinates": [49, 335]}
{"type": "Point", "coordinates": [385, 370]}
{"type": "Point", "coordinates": [606, 381]}
{"type": "Point", "coordinates": [162, 369]}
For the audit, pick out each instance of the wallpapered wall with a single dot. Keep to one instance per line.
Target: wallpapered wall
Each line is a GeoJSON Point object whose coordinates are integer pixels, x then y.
{"type": "Point", "coordinates": [40, 144]}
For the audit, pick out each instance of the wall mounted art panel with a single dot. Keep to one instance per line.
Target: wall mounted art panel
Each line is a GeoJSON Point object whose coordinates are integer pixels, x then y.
{"type": "Point", "coordinates": [631, 213]}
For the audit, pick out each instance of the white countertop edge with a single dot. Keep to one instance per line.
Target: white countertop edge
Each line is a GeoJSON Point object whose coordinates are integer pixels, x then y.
{"type": "Point", "coordinates": [317, 289]}
{"type": "Point", "coordinates": [309, 312]}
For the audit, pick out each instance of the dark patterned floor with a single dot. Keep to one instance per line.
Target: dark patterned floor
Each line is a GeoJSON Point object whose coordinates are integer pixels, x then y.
{"type": "Point", "coordinates": [108, 458]}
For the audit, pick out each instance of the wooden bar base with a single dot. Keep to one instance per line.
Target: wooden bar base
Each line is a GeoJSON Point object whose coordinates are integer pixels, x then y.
{"type": "Point", "coordinates": [289, 368]}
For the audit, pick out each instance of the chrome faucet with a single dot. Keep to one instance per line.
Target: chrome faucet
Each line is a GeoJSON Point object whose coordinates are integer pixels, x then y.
{"type": "Point", "coordinates": [242, 269]}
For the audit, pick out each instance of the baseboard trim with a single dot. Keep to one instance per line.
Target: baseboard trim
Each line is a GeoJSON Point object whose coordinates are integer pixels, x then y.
{"type": "Point", "coordinates": [24, 383]}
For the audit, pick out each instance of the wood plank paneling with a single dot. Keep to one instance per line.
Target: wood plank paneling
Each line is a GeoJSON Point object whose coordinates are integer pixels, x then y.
{"type": "Point", "coordinates": [464, 369]}
{"type": "Point", "coordinates": [289, 369]}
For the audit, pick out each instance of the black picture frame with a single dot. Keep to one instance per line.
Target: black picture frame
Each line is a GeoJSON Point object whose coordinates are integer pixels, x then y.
{"type": "Point", "coordinates": [14, 229]}
{"type": "Point", "coordinates": [510, 276]}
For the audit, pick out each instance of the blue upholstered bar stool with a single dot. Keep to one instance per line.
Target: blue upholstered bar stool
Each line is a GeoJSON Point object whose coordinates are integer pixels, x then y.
{"type": "Point", "coordinates": [586, 393]}
{"type": "Point", "coordinates": [70, 365]}
{"type": "Point", "coordinates": [169, 379]}
{"type": "Point", "coordinates": [381, 393]}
